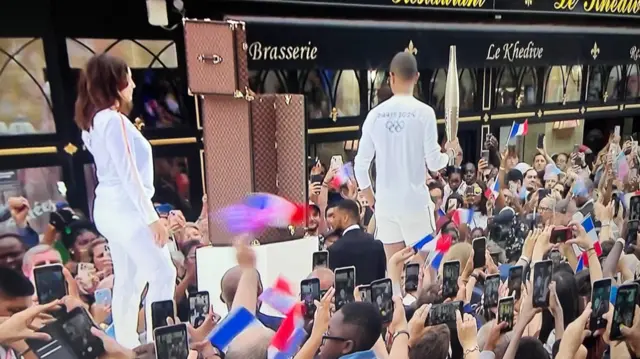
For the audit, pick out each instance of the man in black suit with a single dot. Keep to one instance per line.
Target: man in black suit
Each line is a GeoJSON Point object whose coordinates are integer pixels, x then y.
{"type": "Point", "coordinates": [356, 247]}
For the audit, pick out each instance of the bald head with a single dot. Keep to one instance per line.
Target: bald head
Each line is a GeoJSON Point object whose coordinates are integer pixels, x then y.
{"type": "Point", "coordinates": [229, 284]}
{"type": "Point", "coordinates": [325, 276]}
{"type": "Point", "coordinates": [404, 66]}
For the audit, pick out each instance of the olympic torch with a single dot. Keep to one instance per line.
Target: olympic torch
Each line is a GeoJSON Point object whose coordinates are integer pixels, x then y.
{"type": "Point", "coordinates": [452, 98]}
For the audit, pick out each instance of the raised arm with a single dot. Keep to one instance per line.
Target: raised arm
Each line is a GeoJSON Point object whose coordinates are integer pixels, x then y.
{"type": "Point", "coordinates": [433, 156]}
{"type": "Point", "coordinates": [366, 153]}
{"type": "Point", "coordinates": [119, 146]}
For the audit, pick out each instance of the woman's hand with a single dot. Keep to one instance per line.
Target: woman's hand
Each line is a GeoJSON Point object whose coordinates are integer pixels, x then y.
{"type": "Point", "coordinates": [467, 330]}
{"type": "Point", "coordinates": [574, 334]}
{"type": "Point", "coordinates": [399, 320]}
{"type": "Point", "coordinates": [396, 263]}
{"type": "Point", "coordinates": [554, 302]}
{"type": "Point", "coordinates": [494, 335]}
{"type": "Point", "coordinates": [582, 239]}
{"type": "Point", "coordinates": [417, 324]}
{"type": "Point", "coordinates": [323, 313]}
{"type": "Point", "coordinates": [530, 243]}
{"type": "Point", "coordinates": [20, 325]}
{"type": "Point", "coordinates": [160, 233]}
{"type": "Point", "coordinates": [490, 265]}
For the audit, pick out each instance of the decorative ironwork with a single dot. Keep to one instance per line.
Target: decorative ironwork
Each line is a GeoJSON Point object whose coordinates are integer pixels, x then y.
{"type": "Point", "coordinates": [539, 113]}
{"type": "Point", "coordinates": [563, 84]}
{"type": "Point", "coordinates": [411, 49]}
{"type": "Point", "coordinates": [595, 50]}
{"type": "Point", "coordinates": [515, 86]}
{"type": "Point", "coordinates": [70, 149]}
{"type": "Point", "coordinates": [334, 114]}
{"type": "Point", "coordinates": [139, 123]}
{"type": "Point", "coordinates": [528, 2]}
{"type": "Point", "coordinates": [467, 87]}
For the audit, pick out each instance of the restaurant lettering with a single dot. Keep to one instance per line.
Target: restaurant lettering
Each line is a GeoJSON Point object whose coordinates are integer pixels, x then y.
{"type": "Point", "coordinates": [258, 51]}
{"type": "Point", "coordinates": [624, 7]}
{"type": "Point", "coordinates": [634, 53]}
{"type": "Point", "coordinates": [443, 3]}
{"type": "Point", "coordinates": [512, 51]}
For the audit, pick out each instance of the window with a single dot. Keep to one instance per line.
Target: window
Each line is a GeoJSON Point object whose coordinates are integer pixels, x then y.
{"type": "Point", "coordinates": [158, 99]}
{"type": "Point", "coordinates": [25, 99]}
{"type": "Point", "coordinates": [39, 186]}
{"type": "Point", "coordinates": [607, 78]}
{"type": "Point", "coordinates": [633, 82]}
{"type": "Point", "coordinates": [331, 93]}
{"type": "Point", "coordinates": [516, 87]}
{"type": "Point", "coordinates": [466, 87]}
{"type": "Point", "coordinates": [563, 84]}
{"type": "Point", "coordinates": [271, 81]}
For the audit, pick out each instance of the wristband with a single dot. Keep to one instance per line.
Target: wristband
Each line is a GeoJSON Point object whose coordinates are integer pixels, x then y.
{"type": "Point", "coordinates": [399, 332]}
{"type": "Point", "coordinates": [523, 258]}
{"type": "Point", "coordinates": [471, 350]}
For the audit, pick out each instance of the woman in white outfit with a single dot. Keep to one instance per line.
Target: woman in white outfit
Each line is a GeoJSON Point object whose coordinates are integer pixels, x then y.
{"type": "Point", "coordinates": [122, 210]}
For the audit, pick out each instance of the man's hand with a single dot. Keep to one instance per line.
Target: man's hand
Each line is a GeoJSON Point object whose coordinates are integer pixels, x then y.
{"type": "Point", "coordinates": [19, 207]}
{"type": "Point", "coordinates": [245, 255]}
{"type": "Point", "coordinates": [19, 325]}
{"type": "Point", "coordinates": [467, 330]}
{"type": "Point", "coordinates": [323, 313]}
{"type": "Point", "coordinates": [399, 320]}
{"type": "Point", "coordinates": [396, 263]}
{"type": "Point", "coordinates": [368, 196]}
{"type": "Point", "coordinates": [416, 325]}
{"type": "Point", "coordinates": [574, 334]}
{"type": "Point", "coordinates": [494, 335]}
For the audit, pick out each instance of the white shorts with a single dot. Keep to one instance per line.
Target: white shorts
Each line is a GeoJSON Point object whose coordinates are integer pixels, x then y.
{"type": "Point", "coordinates": [407, 228]}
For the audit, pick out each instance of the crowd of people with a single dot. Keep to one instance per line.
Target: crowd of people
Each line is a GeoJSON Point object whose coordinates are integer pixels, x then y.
{"type": "Point", "coordinates": [426, 257]}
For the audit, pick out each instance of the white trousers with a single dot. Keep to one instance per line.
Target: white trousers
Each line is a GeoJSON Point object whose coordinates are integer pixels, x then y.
{"type": "Point", "coordinates": [407, 227]}
{"type": "Point", "coordinates": [136, 261]}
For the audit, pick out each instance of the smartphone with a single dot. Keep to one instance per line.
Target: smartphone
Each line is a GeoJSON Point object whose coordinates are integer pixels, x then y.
{"type": "Point", "coordinates": [634, 208]}
{"type": "Point", "coordinates": [479, 249]}
{"type": "Point", "coordinates": [309, 293]}
{"type": "Point", "coordinates": [560, 235]}
{"type": "Point", "coordinates": [600, 294]}
{"type": "Point", "coordinates": [84, 269]}
{"type": "Point", "coordinates": [576, 148]}
{"type": "Point", "coordinates": [171, 341]}
{"type": "Point", "coordinates": [76, 326]}
{"type": "Point", "coordinates": [515, 281]}
{"type": "Point", "coordinates": [411, 275]}
{"type": "Point", "coordinates": [444, 313]}
{"type": "Point", "coordinates": [103, 296]}
{"type": "Point", "coordinates": [320, 259]}
{"type": "Point", "coordinates": [491, 286]}
{"type": "Point", "coordinates": [485, 156]}
{"type": "Point", "coordinates": [450, 274]}
{"type": "Point", "coordinates": [541, 140]}
{"type": "Point", "coordinates": [632, 233]}
{"type": "Point", "coordinates": [616, 131]}
{"type": "Point", "coordinates": [317, 178]}
{"type": "Point", "coordinates": [199, 306]}
{"type": "Point", "coordinates": [468, 192]}
{"type": "Point", "coordinates": [50, 283]}
{"type": "Point", "coordinates": [365, 293]}
{"type": "Point", "coordinates": [541, 279]}
{"type": "Point", "coordinates": [381, 294]}
{"type": "Point", "coordinates": [345, 284]}
{"type": "Point", "coordinates": [160, 311]}
{"type": "Point", "coordinates": [505, 312]}
{"type": "Point", "coordinates": [336, 161]}
{"type": "Point", "coordinates": [624, 309]}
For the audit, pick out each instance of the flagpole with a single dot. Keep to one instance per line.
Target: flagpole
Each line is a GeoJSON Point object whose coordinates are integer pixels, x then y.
{"type": "Point", "coordinates": [509, 135]}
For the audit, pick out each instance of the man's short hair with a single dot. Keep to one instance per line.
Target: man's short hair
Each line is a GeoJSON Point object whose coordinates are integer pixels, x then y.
{"type": "Point", "coordinates": [436, 185]}
{"type": "Point", "coordinates": [14, 284]}
{"type": "Point", "coordinates": [351, 207]}
{"type": "Point", "coordinates": [368, 320]}
{"type": "Point", "coordinates": [329, 206]}
{"type": "Point", "coordinates": [404, 65]}
{"type": "Point", "coordinates": [515, 176]}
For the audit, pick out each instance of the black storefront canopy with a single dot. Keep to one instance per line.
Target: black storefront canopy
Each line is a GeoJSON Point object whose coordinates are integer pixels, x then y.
{"type": "Point", "coordinates": [288, 43]}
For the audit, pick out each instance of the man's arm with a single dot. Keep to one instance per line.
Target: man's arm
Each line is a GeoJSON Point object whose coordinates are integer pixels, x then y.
{"type": "Point", "coordinates": [366, 153]}
{"type": "Point", "coordinates": [433, 156]}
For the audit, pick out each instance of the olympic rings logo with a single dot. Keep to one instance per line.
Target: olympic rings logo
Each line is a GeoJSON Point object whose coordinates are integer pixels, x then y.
{"type": "Point", "coordinates": [395, 126]}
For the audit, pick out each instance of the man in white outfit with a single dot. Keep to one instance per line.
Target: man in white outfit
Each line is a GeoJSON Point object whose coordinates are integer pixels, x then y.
{"type": "Point", "coordinates": [402, 135]}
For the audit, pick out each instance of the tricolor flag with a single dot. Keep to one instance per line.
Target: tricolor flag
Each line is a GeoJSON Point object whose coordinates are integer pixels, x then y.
{"type": "Point", "coordinates": [261, 210]}
{"type": "Point", "coordinates": [462, 216]}
{"type": "Point", "coordinates": [280, 297]}
{"type": "Point", "coordinates": [425, 244]}
{"type": "Point", "coordinates": [519, 129]}
{"type": "Point", "coordinates": [342, 176]}
{"type": "Point", "coordinates": [443, 244]}
{"type": "Point", "coordinates": [289, 336]}
{"type": "Point", "coordinates": [590, 228]}
{"type": "Point", "coordinates": [441, 212]}
{"type": "Point", "coordinates": [233, 324]}
{"type": "Point", "coordinates": [622, 166]}
{"type": "Point", "coordinates": [493, 190]}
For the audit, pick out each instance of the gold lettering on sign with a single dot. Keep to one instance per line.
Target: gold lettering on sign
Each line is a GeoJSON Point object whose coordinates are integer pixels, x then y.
{"type": "Point", "coordinates": [258, 51]}
{"type": "Point", "coordinates": [513, 51]}
{"type": "Point", "coordinates": [634, 53]}
{"type": "Point", "coordinates": [442, 3]}
{"type": "Point", "coordinates": [625, 7]}
{"type": "Point", "coordinates": [565, 4]}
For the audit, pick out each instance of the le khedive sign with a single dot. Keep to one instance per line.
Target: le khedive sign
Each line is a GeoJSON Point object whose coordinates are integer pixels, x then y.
{"type": "Point", "coordinates": [583, 7]}
{"type": "Point", "coordinates": [273, 43]}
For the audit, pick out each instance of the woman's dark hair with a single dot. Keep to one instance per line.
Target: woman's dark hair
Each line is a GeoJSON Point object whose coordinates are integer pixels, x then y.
{"type": "Point", "coordinates": [567, 290]}
{"type": "Point", "coordinates": [482, 206]}
{"type": "Point", "coordinates": [75, 229]}
{"type": "Point", "coordinates": [531, 347]}
{"type": "Point", "coordinates": [99, 87]}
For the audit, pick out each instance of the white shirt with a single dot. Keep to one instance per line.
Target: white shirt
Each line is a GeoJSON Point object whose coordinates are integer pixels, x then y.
{"type": "Point", "coordinates": [123, 160]}
{"type": "Point", "coordinates": [401, 133]}
{"type": "Point", "coordinates": [351, 227]}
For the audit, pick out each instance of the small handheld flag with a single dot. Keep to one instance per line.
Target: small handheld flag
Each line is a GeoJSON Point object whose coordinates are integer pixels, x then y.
{"type": "Point", "coordinates": [280, 297]}
{"type": "Point", "coordinates": [342, 176]}
{"type": "Point", "coordinates": [493, 190]}
{"type": "Point", "coordinates": [261, 210]}
{"type": "Point", "coordinates": [443, 245]}
{"type": "Point", "coordinates": [421, 245]}
{"type": "Point", "coordinates": [462, 216]}
{"type": "Point", "coordinates": [232, 325]}
{"type": "Point", "coordinates": [590, 228]}
{"type": "Point", "coordinates": [519, 129]}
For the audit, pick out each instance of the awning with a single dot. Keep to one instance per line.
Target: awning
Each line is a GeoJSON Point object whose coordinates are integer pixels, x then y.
{"type": "Point", "coordinates": [290, 43]}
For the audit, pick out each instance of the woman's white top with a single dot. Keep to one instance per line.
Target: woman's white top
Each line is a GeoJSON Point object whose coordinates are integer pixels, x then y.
{"type": "Point", "coordinates": [123, 160]}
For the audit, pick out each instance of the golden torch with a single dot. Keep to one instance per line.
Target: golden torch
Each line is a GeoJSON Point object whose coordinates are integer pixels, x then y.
{"type": "Point", "coordinates": [452, 98]}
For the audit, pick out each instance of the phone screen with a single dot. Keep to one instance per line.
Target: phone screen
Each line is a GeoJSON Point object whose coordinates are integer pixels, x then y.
{"type": "Point", "coordinates": [443, 313]}
{"type": "Point", "coordinates": [310, 292]}
{"type": "Point", "coordinates": [485, 156]}
{"type": "Point", "coordinates": [559, 235]}
{"type": "Point", "coordinates": [541, 280]}
{"type": "Point", "coordinates": [479, 248]}
{"type": "Point", "coordinates": [317, 178]}
{"type": "Point", "coordinates": [451, 272]}
{"type": "Point", "coordinates": [103, 296]}
{"type": "Point", "coordinates": [320, 259]}
{"type": "Point", "coordinates": [632, 233]}
{"type": "Point", "coordinates": [50, 283]}
{"type": "Point", "coordinates": [365, 293]}
{"type": "Point", "coordinates": [77, 328]}
{"type": "Point", "coordinates": [160, 311]}
{"type": "Point", "coordinates": [541, 140]}
{"type": "Point", "coordinates": [491, 286]}
{"type": "Point", "coordinates": [600, 295]}
{"type": "Point", "coordinates": [411, 274]}
{"type": "Point", "coordinates": [505, 312]}
{"type": "Point", "coordinates": [634, 208]}
{"type": "Point", "coordinates": [624, 309]}
{"type": "Point", "coordinates": [345, 281]}
{"type": "Point", "coordinates": [381, 293]}
{"type": "Point", "coordinates": [171, 342]}
{"type": "Point", "coordinates": [515, 281]}
{"type": "Point", "coordinates": [199, 306]}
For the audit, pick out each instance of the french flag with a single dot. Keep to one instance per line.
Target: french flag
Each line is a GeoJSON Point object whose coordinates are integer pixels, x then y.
{"type": "Point", "coordinates": [519, 129]}
{"type": "Point", "coordinates": [590, 228]}
{"type": "Point", "coordinates": [233, 324]}
{"type": "Point", "coordinates": [289, 336]}
{"type": "Point", "coordinates": [443, 244]}
{"type": "Point", "coordinates": [345, 172]}
{"type": "Point", "coordinates": [280, 297]}
{"type": "Point", "coordinates": [462, 216]}
{"type": "Point", "coordinates": [493, 190]}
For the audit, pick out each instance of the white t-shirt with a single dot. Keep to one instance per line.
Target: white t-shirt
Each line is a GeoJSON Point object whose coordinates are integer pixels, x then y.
{"type": "Point", "coordinates": [401, 133]}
